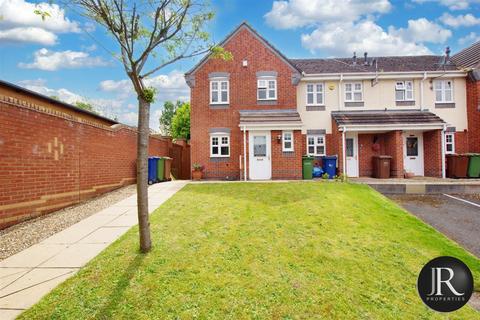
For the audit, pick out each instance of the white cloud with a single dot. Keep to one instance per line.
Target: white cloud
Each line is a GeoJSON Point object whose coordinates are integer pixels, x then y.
{"type": "Point", "coordinates": [466, 20]}
{"type": "Point", "coordinates": [34, 82]}
{"type": "Point", "coordinates": [422, 30]}
{"type": "Point", "coordinates": [451, 4]}
{"type": "Point", "coordinates": [53, 60]}
{"type": "Point", "coordinates": [470, 38]}
{"type": "Point", "coordinates": [171, 86]}
{"type": "Point", "coordinates": [29, 34]}
{"type": "Point", "coordinates": [39, 85]}
{"type": "Point", "coordinates": [342, 39]}
{"type": "Point", "coordinates": [299, 13]}
{"type": "Point", "coordinates": [19, 23]}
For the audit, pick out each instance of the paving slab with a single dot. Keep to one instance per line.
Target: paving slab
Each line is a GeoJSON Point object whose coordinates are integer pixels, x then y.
{"type": "Point", "coordinates": [33, 256]}
{"type": "Point", "coordinates": [75, 256]}
{"type": "Point", "coordinates": [125, 220]}
{"type": "Point", "coordinates": [27, 290]}
{"type": "Point", "coordinates": [30, 274]}
{"type": "Point", "coordinates": [9, 275]}
{"type": "Point", "coordinates": [104, 235]}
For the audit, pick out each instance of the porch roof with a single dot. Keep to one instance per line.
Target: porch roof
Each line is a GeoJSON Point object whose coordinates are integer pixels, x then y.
{"type": "Point", "coordinates": [270, 119]}
{"type": "Point", "coordinates": [388, 119]}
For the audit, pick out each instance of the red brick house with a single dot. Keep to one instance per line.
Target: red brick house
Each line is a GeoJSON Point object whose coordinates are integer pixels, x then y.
{"type": "Point", "coordinates": [274, 110]}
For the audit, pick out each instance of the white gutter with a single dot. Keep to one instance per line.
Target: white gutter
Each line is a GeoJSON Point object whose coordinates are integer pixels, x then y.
{"type": "Point", "coordinates": [443, 150]}
{"type": "Point", "coordinates": [344, 158]}
{"type": "Point", "coordinates": [389, 127]}
{"type": "Point", "coordinates": [405, 74]}
{"type": "Point", "coordinates": [421, 90]}
{"type": "Point", "coordinates": [244, 153]}
{"type": "Point", "coordinates": [340, 92]}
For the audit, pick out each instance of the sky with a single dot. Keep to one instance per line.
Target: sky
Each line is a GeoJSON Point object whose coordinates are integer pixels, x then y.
{"type": "Point", "coordinates": [70, 57]}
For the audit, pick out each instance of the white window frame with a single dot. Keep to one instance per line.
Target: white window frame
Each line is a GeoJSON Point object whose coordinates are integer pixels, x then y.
{"type": "Point", "coordinates": [353, 91]}
{"type": "Point", "coordinates": [219, 90]}
{"type": "Point", "coordinates": [442, 89]}
{"type": "Point", "coordinates": [315, 94]}
{"type": "Point", "coordinates": [316, 144]}
{"type": "Point", "coordinates": [402, 86]}
{"type": "Point", "coordinates": [264, 83]}
{"type": "Point", "coordinates": [285, 149]}
{"type": "Point", "coordinates": [452, 135]}
{"type": "Point", "coordinates": [220, 145]}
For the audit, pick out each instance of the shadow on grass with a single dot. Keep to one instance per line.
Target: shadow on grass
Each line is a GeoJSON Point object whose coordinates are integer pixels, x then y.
{"type": "Point", "coordinates": [123, 283]}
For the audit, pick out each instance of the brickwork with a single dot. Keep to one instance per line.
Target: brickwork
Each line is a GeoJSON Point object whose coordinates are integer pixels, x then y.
{"type": "Point", "coordinates": [473, 114]}
{"type": "Point", "coordinates": [394, 148]}
{"type": "Point", "coordinates": [49, 161]}
{"type": "Point", "coordinates": [462, 142]}
{"type": "Point", "coordinates": [287, 165]}
{"type": "Point", "coordinates": [244, 45]}
{"type": "Point", "coordinates": [367, 150]}
{"type": "Point", "coordinates": [432, 142]}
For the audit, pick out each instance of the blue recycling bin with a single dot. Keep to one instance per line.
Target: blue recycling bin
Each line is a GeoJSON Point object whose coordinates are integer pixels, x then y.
{"type": "Point", "coordinates": [330, 166]}
{"type": "Point", "coordinates": [152, 169]}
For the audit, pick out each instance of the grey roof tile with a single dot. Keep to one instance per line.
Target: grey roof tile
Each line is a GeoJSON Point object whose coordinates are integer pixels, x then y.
{"type": "Point", "coordinates": [385, 117]}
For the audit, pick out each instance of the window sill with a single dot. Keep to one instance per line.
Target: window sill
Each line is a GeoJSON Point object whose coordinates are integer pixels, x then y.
{"type": "Point", "coordinates": [354, 104]}
{"type": "Point", "coordinates": [315, 107]}
{"type": "Point", "coordinates": [401, 103]}
{"type": "Point", "coordinates": [444, 105]}
{"type": "Point", "coordinates": [219, 105]}
{"type": "Point", "coordinates": [220, 159]}
{"type": "Point", "coordinates": [267, 102]}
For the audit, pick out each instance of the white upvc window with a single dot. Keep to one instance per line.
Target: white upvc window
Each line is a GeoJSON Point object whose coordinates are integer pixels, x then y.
{"type": "Point", "coordinates": [219, 146]}
{"type": "Point", "coordinates": [353, 92]}
{"type": "Point", "coordinates": [267, 88]}
{"type": "Point", "coordinates": [404, 91]}
{"type": "Point", "coordinates": [443, 90]}
{"type": "Point", "coordinates": [449, 143]}
{"type": "Point", "coordinates": [315, 94]}
{"type": "Point", "coordinates": [316, 145]}
{"type": "Point", "coordinates": [287, 141]}
{"type": "Point", "coordinates": [219, 91]}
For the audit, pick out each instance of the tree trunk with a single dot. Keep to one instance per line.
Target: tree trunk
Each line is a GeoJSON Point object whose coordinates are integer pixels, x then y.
{"type": "Point", "coordinates": [142, 174]}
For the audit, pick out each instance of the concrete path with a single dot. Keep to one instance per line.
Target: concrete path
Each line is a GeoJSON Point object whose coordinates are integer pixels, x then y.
{"type": "Point", "coordinates": [30, 274]}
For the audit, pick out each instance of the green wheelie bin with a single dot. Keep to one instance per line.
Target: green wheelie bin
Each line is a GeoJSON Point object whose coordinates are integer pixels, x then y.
{"type": "Point", "coordinates": [307, 167]}
{"type": "Point", "coordinates": [474, 165]}
{"type": "Point", "coordinates": [161, 169]}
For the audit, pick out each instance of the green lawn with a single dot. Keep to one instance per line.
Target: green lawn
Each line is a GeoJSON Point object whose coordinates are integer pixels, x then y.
{"type": "Point", "coordinates": [263, 251]}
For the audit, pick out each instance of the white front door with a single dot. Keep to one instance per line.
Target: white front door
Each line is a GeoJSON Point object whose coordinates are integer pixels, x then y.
{"type": "Point", "coordinates": [351, 154]}
{"type": "Point", "coordinates": [413, 152]}
{"type": "Point", "coordinates": [260, 159]}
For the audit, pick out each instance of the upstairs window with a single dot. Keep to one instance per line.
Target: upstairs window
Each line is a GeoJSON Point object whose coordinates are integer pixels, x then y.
{"type": "Point", "coordinates": [404, 91]}
{"type": "Point", "coordinates": [316, 145]}
{"type": "Point", "coordinates": [219, 91]}
{"type": "Point", "coordinates": [219, 146]}
{"type": "Point", "coordinates": [443, 90]}
{"type": "Point", "coordinates": [353, 92]}
{"type": "Point", "coordinates": [287, 141]}
{"type": "Point", "coordinates": [315, 94]}
{"type": "Point", "coordinates": [449, 143]}
{"type": "Point", "coordinates": [267, 89]}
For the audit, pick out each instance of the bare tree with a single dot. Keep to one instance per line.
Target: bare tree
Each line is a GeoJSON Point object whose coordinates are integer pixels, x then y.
{"type": "Point", "coordinates": [150, 35]}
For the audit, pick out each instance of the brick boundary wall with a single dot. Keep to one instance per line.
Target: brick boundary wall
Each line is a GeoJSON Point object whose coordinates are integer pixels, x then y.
{"type": "Point", "coordinates": [50, 160]}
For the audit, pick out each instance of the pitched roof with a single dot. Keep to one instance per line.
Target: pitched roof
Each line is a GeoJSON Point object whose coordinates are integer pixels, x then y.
{"type": "Point", "coordinates": [245, 25]}
{"type": "Point", "coordinates": [384, 64]}
{"type": "Point", "coordinates": [385, 117]}
{"type": "Point", "coordinates": [16, 88]}
{"type": "Point", "coordinates": [468, 57]}
{"type": "Point", "coordinates": [275, 116]}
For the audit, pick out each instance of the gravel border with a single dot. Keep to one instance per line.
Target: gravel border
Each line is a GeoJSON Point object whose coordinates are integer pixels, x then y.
{"type": "Point", "coordinates": [25, 234]}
